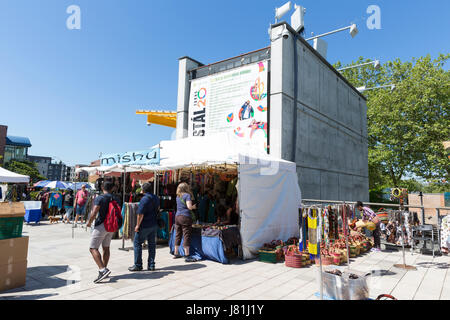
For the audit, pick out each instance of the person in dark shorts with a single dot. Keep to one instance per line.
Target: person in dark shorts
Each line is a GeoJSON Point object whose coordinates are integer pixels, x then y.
{"type": "Point", "coordinates": [99, 235]}
{"type": "Point", "coordinates": [183, 220]}
{"type": "Point", "coordinates": [146, 229]}
{"type": "Point", "coordinates": [68, 205]}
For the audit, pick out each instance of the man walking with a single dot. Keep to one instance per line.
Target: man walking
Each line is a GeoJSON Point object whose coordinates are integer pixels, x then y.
{"type": "Point", "coordinates": [99, 235]}
{"type": "Point", "coordinates": [80, 202]}
{"type": "Point", "coordinates": [146, 229]}
{"type": "Point", "coordinates": [369, 215]}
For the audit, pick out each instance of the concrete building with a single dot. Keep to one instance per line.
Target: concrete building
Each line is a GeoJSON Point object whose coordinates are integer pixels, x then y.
{"type": "Point", "coordinates": [3, 133]}
{"type": "Point", "coordinates": [431, 201]}
{"type": "Point", "coordinates": [16, 148]}
{"type": "Point", "coordinates": [57, 171]}
{"type": "Point", "coordinates": [80, 176]}
{"type": "Point", "coordinates": [42, 164]}
{"type": "Point", "coordinates": [316, 118]}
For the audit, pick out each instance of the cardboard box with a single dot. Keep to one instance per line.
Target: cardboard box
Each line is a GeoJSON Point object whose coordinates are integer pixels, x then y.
{"type": "Point", "coordinates": [11, 209]}
{"type": "Point", "coordinates": [13, 250]}
{"type": "Point", "coordinates": [13, 275]}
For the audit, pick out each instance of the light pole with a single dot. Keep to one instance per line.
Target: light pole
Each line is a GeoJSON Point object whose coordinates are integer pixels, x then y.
{"type": "Point", "coordinates": [376, 65]}
{"type": "Point", "coordinates": [353, 32]}
{"type": "Point", "coordinates": [363, 88]}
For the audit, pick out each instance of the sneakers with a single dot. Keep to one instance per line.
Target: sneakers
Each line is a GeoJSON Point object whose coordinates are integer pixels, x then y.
{"type": "Point", "coordinates": [176, 256]}
{"type": "Point", "coordinates": [135, 268]}
{"type": "Point", "coordinates": [102, 275]}
{"type": "Point", "coordinates": [375, 250]}
{"type": "Point", "coordinates": [152, 268]}
{"type": "Point", "coordinates": [190, 259]}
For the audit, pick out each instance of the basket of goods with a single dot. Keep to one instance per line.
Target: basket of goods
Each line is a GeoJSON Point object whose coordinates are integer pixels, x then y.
{"type": "Point", "coordinates": [382, 215]}
{"type": "Point", "coordinates": [271, 252]}
{"type": "Point", "coordinates": [306, 259]}
{"type": "Point", "coordinates": [292, 240]}
{"type": "Point", "coordinates": [293, 258]}
{"type": "Point", "coordinates": [352, 249]}
{"type": "Point", "coordinates": [267, 256]}
{"type": "Point", "coordinates": [336, 257]}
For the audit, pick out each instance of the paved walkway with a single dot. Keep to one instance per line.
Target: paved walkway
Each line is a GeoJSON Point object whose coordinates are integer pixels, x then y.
{"type": "Point", "coordinates": [60, 267]}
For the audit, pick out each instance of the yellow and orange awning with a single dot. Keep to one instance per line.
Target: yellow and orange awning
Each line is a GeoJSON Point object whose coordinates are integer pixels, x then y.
{"type": "Point", "coordinates": [163, 118]}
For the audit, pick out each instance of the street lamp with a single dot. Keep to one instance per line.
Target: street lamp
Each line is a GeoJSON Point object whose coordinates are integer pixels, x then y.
{"type": "Point", "coordinates": [281, 11]}
{"type": "Point", "coordinates": [363, 88]}
{"type": "Point", "coordinates": [376, 65]}
{"type": "Point", "coordinates": [353, 32]}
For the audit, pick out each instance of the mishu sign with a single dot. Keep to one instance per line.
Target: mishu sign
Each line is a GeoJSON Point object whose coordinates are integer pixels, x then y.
{"type": "Point", "coordinates": [133, 157]}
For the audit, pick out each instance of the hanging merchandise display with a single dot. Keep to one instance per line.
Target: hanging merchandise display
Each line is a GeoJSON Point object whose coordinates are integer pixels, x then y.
{"type": "Point", "coordinates": [445, 234]}
{"type": "Point", "coordinates": [129, 216]}
{"type": "Point", "coordinates": [312, 231]}
{"type": "Point", "coordinates": [395, 224]}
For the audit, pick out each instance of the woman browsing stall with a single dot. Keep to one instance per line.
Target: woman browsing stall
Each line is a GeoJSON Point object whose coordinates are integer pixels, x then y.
{"type": "Point", "coordinates": [184, 220]}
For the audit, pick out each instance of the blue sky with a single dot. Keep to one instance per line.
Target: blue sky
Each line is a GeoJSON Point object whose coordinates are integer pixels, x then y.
{"type": "Point", "coordinates": [74, 93]}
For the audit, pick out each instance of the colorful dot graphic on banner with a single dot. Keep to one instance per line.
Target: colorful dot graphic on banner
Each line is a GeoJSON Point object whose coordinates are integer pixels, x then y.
{"type": "Point", "coordinates": [239, 134]}
{"type": "Point", "coordinates": [261, 66]}
{"type": "Point", "coordinates": [230, 117]}
{"type": "Point", "coordinates": [257, 91]}
{"type": "Point", "coordinates": [260, 108]}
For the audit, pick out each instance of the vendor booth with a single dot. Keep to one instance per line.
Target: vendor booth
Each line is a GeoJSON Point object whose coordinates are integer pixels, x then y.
{"type": "Point", "coordinates": [7, 176]}
{"type": "Point", "coordinates": [221, 169]}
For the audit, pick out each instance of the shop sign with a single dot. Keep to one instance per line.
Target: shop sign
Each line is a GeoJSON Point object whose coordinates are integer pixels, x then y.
{"type": "Point", "coordinates": [145, 157]}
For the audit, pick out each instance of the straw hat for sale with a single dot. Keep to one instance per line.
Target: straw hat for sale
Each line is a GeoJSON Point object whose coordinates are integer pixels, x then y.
{"type": "Point", "coordinates": [371, 226]}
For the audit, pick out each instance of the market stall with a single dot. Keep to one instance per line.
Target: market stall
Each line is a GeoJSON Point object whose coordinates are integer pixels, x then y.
{"type": "Point", "coordinates": [9, 177]}
{"type": "Point", "coordinates": [266, 188]}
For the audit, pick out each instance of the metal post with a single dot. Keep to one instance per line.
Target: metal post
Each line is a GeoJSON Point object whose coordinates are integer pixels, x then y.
{"type": "Point", "coordinates": [404, 265]}
{"type": "Point", "coordinates": [319, 241]}
{"type": "Point", "coordinates": [346, 234]}
{"type": "Point", "coordinates": [123, 203]}
{"type": "Point", "coordinates": [423, 209]}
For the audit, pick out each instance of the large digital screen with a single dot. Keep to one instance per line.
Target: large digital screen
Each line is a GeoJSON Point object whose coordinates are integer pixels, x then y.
{"type": "Point", "coordinates": [233, 100]}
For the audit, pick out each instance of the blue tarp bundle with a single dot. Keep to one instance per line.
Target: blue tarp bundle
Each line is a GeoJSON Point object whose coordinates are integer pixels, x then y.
{"type": "Point", "coordinates": [202, 247]}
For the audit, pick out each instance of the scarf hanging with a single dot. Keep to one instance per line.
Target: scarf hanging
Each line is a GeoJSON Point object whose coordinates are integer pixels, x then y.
{"type": "Point", "coordinates": [312, 231]}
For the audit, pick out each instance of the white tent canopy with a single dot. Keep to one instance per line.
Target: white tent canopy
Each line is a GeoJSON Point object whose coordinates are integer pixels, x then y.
{"type": "Point", "coordinates": [269, 194]}
{"type": "Point", "coordinates": [7, 176]}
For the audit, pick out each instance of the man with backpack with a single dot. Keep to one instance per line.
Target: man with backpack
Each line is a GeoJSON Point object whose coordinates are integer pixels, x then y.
{"type": "Point", "coordinates": [108, 219]}
{"type": "Point", "coordinates": [146, 229]}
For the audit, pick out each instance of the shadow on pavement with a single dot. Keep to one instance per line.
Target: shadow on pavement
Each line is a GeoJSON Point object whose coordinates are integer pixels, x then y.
{"type": "Point", "coordinates": [439, 265]}
{"type": "Point", "coordinates": [45, 277]}
{"type": "Point", "coordinates": [186, 267]}
{"type": "Point", "coordinates": [140, 275]}
{"type": "Point", "coordinates": [30, 297]}
{"type": "Point", "coordinates": [381, 273]}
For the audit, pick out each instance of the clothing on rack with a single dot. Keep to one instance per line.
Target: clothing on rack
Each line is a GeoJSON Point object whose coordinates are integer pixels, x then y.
{"type": "Point", "coordinates": [312, 231]}
{"type": "Point", "coordinates": [445, 232]}
{"type": "Point", "coordinates": [129, 216]}
{"type": "Point", "coordinates": [212, 212]}
{"type": "Point", "coordinates": [55, 200]}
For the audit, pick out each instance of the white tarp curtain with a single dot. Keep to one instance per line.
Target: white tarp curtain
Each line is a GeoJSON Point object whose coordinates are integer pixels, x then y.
{"type": "Point", "coordinates": [269, 197]}
{"type": "Point", "coordinates": [7, 176]}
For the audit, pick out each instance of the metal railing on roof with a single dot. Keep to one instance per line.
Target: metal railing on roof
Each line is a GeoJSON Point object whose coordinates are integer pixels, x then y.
{"type": "Point", "coordinates": [231, 63]}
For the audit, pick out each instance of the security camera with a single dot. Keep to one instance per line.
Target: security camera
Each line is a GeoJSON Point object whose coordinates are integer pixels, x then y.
{"type": "Point", "coordinates": [285, 34]}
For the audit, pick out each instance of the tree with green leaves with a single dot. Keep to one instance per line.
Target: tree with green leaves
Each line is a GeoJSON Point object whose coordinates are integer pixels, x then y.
{"type": "Point", "coordinates": [406, 126]}
{"type": "Point", "coordinates": [26, 168]}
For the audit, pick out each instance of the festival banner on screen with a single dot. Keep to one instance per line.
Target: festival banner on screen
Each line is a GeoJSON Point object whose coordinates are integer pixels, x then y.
{"type": "Point", "coordinates": [233, 100]}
